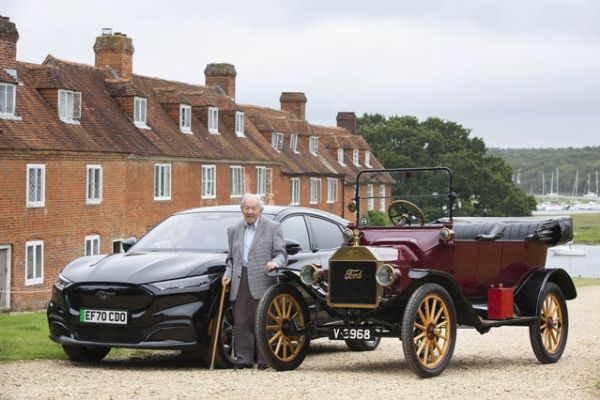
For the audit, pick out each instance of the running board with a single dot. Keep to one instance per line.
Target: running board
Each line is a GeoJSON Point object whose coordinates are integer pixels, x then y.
{"type": "Point", "coordinates": [519, 321]}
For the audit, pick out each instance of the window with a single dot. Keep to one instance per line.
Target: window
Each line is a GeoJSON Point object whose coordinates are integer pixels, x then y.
{"type": "Point", "coordinates": [368, 159]}
{"type": "Point", "coordinates": [331, 190]}
{"type": "Point", "coordinates": [213, 120]}
{"type": "Point", "coordinates": [355, 157]}
{"type": "Point", "coordinates": [7, 100]}
{"type": "Point", "coordinates": [341, 156]}
{"type": "Point", "coordinates": [237, 181]}
{"type": "Point", "coordinates": [295, 192]}
{"type": "Point", "coordinates": [313, 145]}
{"type": "Point", "coordinates": [261, 180]}
{"type": "Point", "coordinates": [94, 185]}
{"type": "Point", "coordinates": [294, 228]}
{"type": "Point", "coordinates": [370, 199]}
{"type": "Point", "coordinates": [34, 262]}
{"type": "Point", "coordinates": [185, 118]}
{"type": "Point", "coordinates": [208, 182]}
{"type": "Point", "coordinates": [92, 245]}
{"type": "Point", "coordinates": [382, 198]}
{"type": "Point", "coordinates": [69, 106]}
{"type": "Point", "coordinates": [327, 234]}
{"type": "Point", "coordinates": [294, 142]}
{"type": "Point", "coordinates": [239, 124]}
{"type": "Point", "coordinates": [36, 184]}
{"type": "Point", "coordinates": [117, 246]}
{"type": "Point", "coordinates": [162, 181]}
{"type": "Point", "coordinates": [277, 140]}
{"type": "Point", "coordinates": [139, 112]}
{"type": "Point", "coordinates": [315, 190]}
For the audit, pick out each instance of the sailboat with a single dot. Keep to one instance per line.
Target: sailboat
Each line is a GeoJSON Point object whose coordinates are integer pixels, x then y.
{"type": "Point", "coordinates": [568, 250]}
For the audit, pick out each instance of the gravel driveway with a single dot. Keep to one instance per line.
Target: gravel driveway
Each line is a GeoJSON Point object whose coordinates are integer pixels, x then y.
{"type": "Point", "coordinates": [497, 365]}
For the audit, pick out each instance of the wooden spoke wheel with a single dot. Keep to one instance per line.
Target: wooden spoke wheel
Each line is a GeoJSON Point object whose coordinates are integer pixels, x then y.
{"type": "Point", "coordinates": [549, 334]}
{"type": "Point", "coordinates": [281, 327]}
{"type": "Point", "coordinates": [429, 330]}
{"type": "Point", "coordinates": [402, 212]}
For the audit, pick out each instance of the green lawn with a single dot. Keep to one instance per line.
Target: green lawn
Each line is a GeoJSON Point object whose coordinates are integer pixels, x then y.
{"type": "Point", "coordinates": [587, 228]}
{"type": "Point", "coordinates": [25, 337]}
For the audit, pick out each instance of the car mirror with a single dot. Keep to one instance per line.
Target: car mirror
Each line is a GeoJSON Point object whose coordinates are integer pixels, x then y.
{"type": "Point", "coordinates": [292, 247]}
{"type": "Point", "coordinates": [128, 243]}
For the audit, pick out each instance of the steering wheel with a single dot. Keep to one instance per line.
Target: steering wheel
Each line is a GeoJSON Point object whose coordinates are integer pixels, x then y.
{"type": "Point", "coordinates": [399, 212]}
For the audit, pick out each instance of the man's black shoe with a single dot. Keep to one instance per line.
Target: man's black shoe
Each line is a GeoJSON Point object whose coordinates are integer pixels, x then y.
{"type": "Point", "coordinates": [242, 366]}
{"type": "Point", "coordinates": [262, 366]}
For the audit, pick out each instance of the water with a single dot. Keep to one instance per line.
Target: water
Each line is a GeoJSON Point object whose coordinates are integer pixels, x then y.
{"type": "Point", "coordinates": [587, 266]}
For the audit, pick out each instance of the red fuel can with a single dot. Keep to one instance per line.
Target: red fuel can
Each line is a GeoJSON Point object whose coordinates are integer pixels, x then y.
{"type": "Point", "coordinates": [500, 302]}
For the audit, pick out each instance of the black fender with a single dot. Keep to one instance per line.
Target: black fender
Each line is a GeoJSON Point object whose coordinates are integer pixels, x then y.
{"type": "Point", "coordinates": [464, 311]}
{"type": "Point", "coordinates": [528, 293]}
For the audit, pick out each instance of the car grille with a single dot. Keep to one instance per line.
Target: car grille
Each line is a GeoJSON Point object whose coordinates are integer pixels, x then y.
{"type": "Point", "coordinates": [112, 334]}
{"type": "Point", "coordinates": [109, 296]}
{"type": "Point", "coordinates": [352, 284]}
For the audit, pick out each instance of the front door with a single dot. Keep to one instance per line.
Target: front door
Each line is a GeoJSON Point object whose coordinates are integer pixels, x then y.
{"type": "Point", "coordinates": [4, 277]}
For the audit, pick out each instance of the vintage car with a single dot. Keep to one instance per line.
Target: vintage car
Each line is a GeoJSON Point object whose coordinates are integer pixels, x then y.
{"type": "Point", "coordinates": [163, 292]}
{"type": "Point", "coordinates": [401, 276]}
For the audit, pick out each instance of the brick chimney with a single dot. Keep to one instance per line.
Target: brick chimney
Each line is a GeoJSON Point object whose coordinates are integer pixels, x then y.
{"type": "Point", "coordinates": [294, 102]}
{"type": "Point", "coordinates": [221, 75]}
{"type": "Point", "coordinates": [115, 51]}
{"type": "Point", "coordinates": [347, 120]}
{"type": "Point", "coordinates": [8, 44]}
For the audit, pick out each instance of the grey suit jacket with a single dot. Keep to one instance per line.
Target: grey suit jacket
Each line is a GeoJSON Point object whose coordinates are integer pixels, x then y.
{"type": "Point", "coordinates": [268, 245]}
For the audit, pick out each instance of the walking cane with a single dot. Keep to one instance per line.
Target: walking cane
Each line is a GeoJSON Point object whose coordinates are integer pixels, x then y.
{"type": "Point", "coordinates": [218, 327]}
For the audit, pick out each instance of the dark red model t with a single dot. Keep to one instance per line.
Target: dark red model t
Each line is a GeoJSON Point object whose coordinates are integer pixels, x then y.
{"type": "Point", "coordinates": [403, 277]}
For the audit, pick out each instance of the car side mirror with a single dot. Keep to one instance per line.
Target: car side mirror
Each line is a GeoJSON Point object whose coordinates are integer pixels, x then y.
{"type": "Point", "coordinates": [292, 247]}
{"type": "Point", "coordinates": [128, 243]}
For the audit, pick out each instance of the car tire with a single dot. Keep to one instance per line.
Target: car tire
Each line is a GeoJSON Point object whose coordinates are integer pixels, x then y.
{"type": "Point", "coordinates": [363, 345]}
{"type": "Point", "coordinates": [549, 333]}
{"type": "Point", "coordinates": [225, 355]}
{"type": "Point", "coordinates": [275, 336]}
{"type": "Point", "coordinates": [85, 353]}
{"type": "Point", "coordinates": [429, 327]}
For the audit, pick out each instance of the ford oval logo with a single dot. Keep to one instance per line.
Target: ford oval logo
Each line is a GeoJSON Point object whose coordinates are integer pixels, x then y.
{"type": "Point", "coordinates": [102, 295]}
{"type": "Point", "coordinates": [353, 274]}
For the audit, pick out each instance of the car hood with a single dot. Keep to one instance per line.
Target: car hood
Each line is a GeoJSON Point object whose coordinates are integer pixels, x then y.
{"type": "Point", "coordinates": [139, 268]}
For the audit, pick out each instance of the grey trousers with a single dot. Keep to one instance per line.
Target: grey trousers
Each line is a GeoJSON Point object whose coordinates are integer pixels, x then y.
{"type": "Point", "coordinates": [244, 314]}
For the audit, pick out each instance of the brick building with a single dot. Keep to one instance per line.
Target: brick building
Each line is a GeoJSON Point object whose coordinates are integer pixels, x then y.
{"type": "Point", "coordinates": [90, 155]}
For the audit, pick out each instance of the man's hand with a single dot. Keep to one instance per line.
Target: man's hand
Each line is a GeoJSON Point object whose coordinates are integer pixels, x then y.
{"type": "Point", "coordinates": [270, 266]}
{"type": "Point", "coordinates": [225, 280]}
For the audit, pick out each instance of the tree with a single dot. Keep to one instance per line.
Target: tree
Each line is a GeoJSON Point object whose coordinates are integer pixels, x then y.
{"type": "Point", "coordinates": [482, 181]}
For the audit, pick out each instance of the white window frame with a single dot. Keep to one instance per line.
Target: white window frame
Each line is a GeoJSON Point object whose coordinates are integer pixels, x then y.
{"type": "Point", "coordinates": [213, 120]}
{"type": "Point", "coordinates": [356, 157]}
{"type": "Point", "coordinates": [332, 190]}
{"type": "Point", "coordinates": [277, 140]}
{"type": "Point", "coordinates": [69, 106]}
{"type": "Point", "coordinates": [140, 112]}
{"type": "Point", "coordinates": [7, 100]}
{"type": "Point", "coordinates": [295, 192]}
{"type": "Point", "coordinates": [112, 247]}
{"type": "Point", "coordinates": [382, 198]}
{"type": "Point", "coordinates": [98, 198]}
{"type": "Point", "coordinates": [313, 145]}
{"type": "Point", "coordinates": [370, 199]}
{"type": "Point", "coordinates": [294, 143]}
{"type": "Point", "coordinates": [239, 124]}
{"type": "Point", "coordinates": [340, 156]}
{"type": "Point", "coordinates": [41, 202]}
{"type": "Point", "coordinates": [261, 180]}
{"type": "Point", "coordinates": [368, 159]}
{"type": "Point", "coordinates": [35, 280]}
{"type": "Point", "coordinates": [185, 118]}
{"type": "Point", "coordinates": [209, 181]}
{"type": "Point", "coordinates": [315, 190]}
{"type": "Point", "coordinates": [91, 239]}
{"type": "Point", "coordinates": [162, 181]}
{"type": "Point", "coordinates": [237, 181]}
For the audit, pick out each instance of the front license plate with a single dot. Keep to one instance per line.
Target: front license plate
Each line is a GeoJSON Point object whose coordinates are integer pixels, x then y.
{"type": "Point", "coordinates": [358, 333]}
{"type": "Point", "coordinates": [103, 316]}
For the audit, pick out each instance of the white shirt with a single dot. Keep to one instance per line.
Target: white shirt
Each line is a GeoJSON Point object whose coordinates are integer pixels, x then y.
{"type": "Point", "coordinates": [249, 232]}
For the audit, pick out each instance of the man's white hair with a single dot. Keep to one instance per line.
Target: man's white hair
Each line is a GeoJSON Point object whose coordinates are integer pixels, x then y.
{"type": "Point", "coordinates": [252, 196]}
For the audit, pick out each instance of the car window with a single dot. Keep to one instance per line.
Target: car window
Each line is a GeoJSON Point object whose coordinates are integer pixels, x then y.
{"type": "Point", "coordinates": [328, 235]}
{"type": "Point", "coordinates": [295, 228]}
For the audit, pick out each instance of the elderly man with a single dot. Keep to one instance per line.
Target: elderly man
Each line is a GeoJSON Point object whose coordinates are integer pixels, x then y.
{"type": "Point", "coordinates": [256, 246]}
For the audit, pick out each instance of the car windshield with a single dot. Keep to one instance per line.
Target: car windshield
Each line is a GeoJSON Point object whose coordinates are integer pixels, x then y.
{"type": "Point", "coordinates": [201, 231]}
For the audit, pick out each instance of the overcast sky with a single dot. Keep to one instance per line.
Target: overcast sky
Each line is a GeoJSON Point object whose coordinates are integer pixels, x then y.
{"type": "Point", "coordinates": [518, 73]}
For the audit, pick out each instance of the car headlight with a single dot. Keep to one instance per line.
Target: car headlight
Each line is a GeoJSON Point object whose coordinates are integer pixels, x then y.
{"type": "Point", "coordinates": [61, 282]}
{"type": "Point", "coordinates": [310, 274]}
{"type": "Point", "coordinates": [194, 282]}
{"type": "Point", "coordinates": [386, 275]}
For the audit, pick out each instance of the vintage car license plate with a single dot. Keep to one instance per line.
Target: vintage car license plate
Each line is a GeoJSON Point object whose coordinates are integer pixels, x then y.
{"type": "Point", "coordinates": [103, 316]}
{"type": "Point", "coordinates": [359, 333]}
